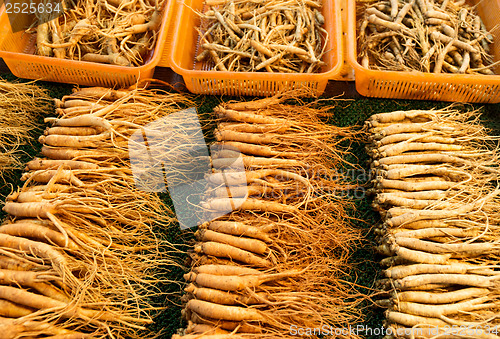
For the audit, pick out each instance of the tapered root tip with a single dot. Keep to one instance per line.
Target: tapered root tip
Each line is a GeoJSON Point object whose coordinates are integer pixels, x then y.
{"type": "Point", "coordinates": [189, 288]}
{"type": "Point", "coordinates": [191, 276]}
{"type": "Point", "coordinates": [58, 103]}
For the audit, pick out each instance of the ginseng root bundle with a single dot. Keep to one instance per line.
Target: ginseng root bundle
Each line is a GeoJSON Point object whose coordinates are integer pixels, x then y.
{"type": "Point", "coordinates": [274, 262]}
{"type": "Point", "coordinates": [436, 188]}
{"type": "Point", "coordinates": [77, 251]}
{"type": "Point", "coordinates": [20, 105]}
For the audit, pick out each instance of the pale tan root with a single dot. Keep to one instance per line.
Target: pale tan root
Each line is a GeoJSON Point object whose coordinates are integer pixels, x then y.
{"type": "Point", "coordinates": [231, 313]}
{"type": "Point", "coordinates": [237, 228]}
{"type": "Point", "coordinates": [236, 283]}
{"type": "Point", "coordinates": [30, 230]}
{"type": "Point", "coordinates": [248, 244]}
{"type": "Point", "coordinates": [75, 131]}
{"type": "Point", "coordinates": [451, 279]}
{"type": "Point", "coordinates": [459, 249]}
{"type": "Point", "coordinates": [30, 209]}
{"type": "Point", "coordinates": [249, 204]}
{"type": "Point", "coordinates": [441, 297]}
{"type": "Point", "coordinates": [42, 164]}
{"type": "Point", "coordinates": [436, 311]}
{"type": "Point", "coordinates": [204, 329]}
{"type": "Point", "coordinates": [398, 272]}
{"type": "Point", "coordinates": [61, 175]}
{"type": "Point", "coordinates": [227, 251]}
{"type": "Point", "coordinates": [11, 309]}
{"type": "Point", "coordinates": [223, 298]}
{"type": "Point", "coordinates": [240, 326]}
{"type": "Point", "coordinates": [92, 141]}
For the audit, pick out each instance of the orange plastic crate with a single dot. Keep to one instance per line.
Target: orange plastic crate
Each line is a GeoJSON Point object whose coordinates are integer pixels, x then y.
{"type": "Point", "coordinates": [429, 86]}
{"type": "Point", "coordinates": [18, 52]}
{"type": "Point", "coordinates": [199, 78]}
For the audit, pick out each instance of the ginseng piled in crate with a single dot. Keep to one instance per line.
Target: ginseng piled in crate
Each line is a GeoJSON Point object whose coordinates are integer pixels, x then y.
{"type": "Point", "coordinates": [443, 50]}
{"type": "Point", "coordinates": [257, 48]}
{"type": "Point", "coordinates": [92, 43]}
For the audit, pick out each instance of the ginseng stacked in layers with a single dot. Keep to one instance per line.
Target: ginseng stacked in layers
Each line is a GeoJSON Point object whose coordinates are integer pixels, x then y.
{"type": "Point", "coordinates": [78, 251]}
{"type": "Point", "coordinates": [437, 190]}
{"type": "Point", "coordinates": [274, 264]}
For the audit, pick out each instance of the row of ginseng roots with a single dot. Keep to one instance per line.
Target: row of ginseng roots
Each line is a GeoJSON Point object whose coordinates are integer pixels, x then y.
{"type": "Point", "coordinates": [79, 255]}
{"type": "Point", "coordinates": [77, 250]}
{"type": "Point", "coordinates": [271, 268]}
{"type": "Point", "coordinates": [436, 187]}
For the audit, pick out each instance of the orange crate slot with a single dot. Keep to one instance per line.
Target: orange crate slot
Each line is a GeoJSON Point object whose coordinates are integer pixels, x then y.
{"type": "Point", "coordinates": [165, 54]}
{"type": "Point", "coordinates": [200, 79]}
{"type": "Point", "coordinates": [429, 86]}
{"type": "Point", "coordinates": [18, 52]}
